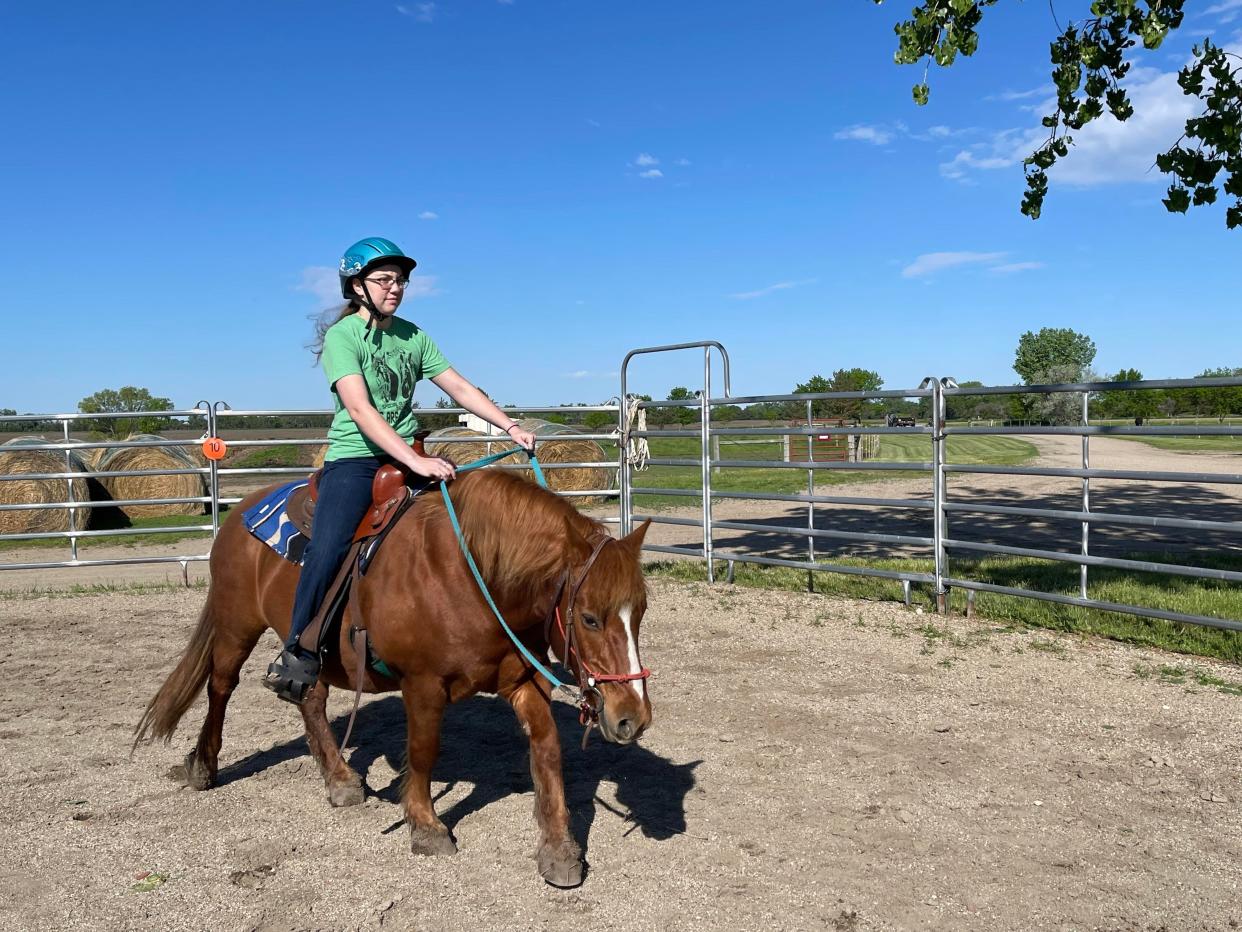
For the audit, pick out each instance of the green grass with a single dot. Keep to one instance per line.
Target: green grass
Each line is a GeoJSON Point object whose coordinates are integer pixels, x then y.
{"type": "Point", "coordinates": [286, 454]}
{"type": "Point", "coordinates": [1172, 593]}
{"type": "Point", "coordinates": [121, 540]}
{"type": "Point", "coordinates": [74, 591]}
{"type": "Point", "coordinates": [899, 448]}
{"type": "Point", "coordinates": [1208, 444]}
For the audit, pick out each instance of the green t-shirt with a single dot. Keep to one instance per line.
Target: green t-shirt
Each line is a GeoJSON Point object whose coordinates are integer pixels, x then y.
{"type": "Point", "coordinates": [391, 362]}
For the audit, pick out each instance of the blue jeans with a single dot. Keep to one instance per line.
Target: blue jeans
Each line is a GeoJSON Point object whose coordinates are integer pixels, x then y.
{"type": "Point", "coordinates": [344, 494]}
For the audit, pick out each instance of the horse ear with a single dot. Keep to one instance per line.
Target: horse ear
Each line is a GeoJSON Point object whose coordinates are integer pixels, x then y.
{"type": "Point", "coordinates": [575, 538]}
{"type": "Point", "coordinates": [634, 539]}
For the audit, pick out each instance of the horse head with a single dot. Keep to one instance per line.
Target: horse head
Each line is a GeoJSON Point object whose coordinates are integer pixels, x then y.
{"type": "Point", "coordinates": [600, 612]}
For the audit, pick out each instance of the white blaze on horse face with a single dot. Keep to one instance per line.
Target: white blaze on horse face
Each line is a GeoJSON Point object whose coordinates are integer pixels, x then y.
{"type": "Point", "coordinates": [631, 649]}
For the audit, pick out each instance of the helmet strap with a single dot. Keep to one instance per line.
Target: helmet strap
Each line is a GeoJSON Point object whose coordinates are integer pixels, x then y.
{"type": "Point", "coordinates": [373, 314]}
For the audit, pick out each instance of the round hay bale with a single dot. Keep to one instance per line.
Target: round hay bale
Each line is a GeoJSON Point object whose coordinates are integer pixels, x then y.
{"type": "Point", "coordinates": [126, 488]}
{"type": "Point", "coordinates": [465, 452]}
{"type": "Point", "coordinates": [90, 458]}
{"type": "Point", "coordinates": [15, 460]}
{"type": "Point", "coordinates": [550, 448]}
{"type": "Point", "coordinates": [558, 443]}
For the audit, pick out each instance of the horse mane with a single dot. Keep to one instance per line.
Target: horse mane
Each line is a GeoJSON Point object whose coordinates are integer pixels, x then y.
{"type": "Point", "coordinates": [517, 531]}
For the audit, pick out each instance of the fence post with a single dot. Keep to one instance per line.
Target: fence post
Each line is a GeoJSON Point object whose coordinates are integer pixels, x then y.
{"type": "Point", "coordinates": [810, 506]}
{"type": "Point", "coordinates": [623, 470]}
{"type": "Point", "coordinates": [705, 451]}
{"type": "Point", "coordinates": [73, 512]}
{"type": "Point", "coordinates": [1086, 494]}
{"type": "Point", "coordinates": [213, 468]}
{"type": "Point", "coordinates": [938, 490]}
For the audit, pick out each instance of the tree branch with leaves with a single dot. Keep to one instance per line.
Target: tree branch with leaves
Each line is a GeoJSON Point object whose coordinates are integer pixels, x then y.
{"type": "Point", "coordinates": [1090, 61]}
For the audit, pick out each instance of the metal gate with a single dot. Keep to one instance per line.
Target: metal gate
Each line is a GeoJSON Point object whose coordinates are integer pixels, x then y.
{"type": "Point", "coordinates": [934, 505]}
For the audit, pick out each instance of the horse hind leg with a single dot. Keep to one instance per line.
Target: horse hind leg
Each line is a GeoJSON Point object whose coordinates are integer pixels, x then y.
{"type": "Point", "coordinates": [344, 784]}
{"type": "Point", "coordinates": [229, 652]}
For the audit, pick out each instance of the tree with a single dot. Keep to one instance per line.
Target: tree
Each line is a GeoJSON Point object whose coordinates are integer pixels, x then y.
{"type": "Point", "coordinates": [681, 415]}
{"type": "Point", "coordinates": [1089, 64]}
{"type": "Point", "coordinates": [128, 398]}
{"type": "Point", "coordinates": [1134, 404]}
{"type": "Point", "coordinates": [1218, 402]}
{"type": "Point", "coordinates": [1059, 348]}
{"type": "Point", "coordinates": [1058, 407]}
{"type": "Point", "coordinates": [599, 420]}
{"type": "Point", "coordinates": [843, 380]}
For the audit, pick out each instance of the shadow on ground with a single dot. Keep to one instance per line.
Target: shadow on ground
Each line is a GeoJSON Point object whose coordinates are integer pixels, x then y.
{"type": "Point", "coordinates": [1184, 501]}
{"type": "Point", "coordinates": [482, 747]}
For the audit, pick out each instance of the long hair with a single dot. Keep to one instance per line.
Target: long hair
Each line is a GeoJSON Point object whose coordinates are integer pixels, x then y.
{"type": "Point", "coordinates": [325, 321]}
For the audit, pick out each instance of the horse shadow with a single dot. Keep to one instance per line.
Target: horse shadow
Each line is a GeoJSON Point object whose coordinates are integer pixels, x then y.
{"type": "Point", "coordinates": [483, 747]}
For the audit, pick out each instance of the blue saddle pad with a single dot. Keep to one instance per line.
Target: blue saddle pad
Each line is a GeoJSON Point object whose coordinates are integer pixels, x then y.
{"type": "Point", "coordinates": [266, 520]}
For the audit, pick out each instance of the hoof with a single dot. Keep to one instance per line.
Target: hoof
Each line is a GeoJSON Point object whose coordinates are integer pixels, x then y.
{"type": "Point", "coordinates": [346, 794]}
{"type": "Point", "coordinates": [561, 865]}
{"type": "Point", "coordinates": [193, 773]}
{"type": "Point", "coordinates": [431, 842]}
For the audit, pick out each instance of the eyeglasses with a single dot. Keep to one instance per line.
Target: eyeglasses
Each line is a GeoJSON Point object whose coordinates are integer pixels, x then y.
{"type": "Point", "coordinates": [388, 283]}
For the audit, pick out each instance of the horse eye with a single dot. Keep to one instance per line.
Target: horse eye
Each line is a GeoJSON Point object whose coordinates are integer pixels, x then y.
{"type": "Point", "coordinates": [590, 621]}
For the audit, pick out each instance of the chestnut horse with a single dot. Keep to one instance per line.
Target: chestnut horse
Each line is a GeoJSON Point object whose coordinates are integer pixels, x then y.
{"type": "Point", "coordinates": [430, 625]}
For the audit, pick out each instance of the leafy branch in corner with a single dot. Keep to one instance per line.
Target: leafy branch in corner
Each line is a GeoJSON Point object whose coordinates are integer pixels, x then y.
{"type": "Point", "coordinates": [1089, 64]}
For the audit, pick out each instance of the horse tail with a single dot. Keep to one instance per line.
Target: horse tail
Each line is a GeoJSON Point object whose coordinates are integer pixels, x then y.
{"type": "Point", "coordinates": [183, 685]}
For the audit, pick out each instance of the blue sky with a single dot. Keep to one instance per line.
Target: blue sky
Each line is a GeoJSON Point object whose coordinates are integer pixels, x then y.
{"type": "Point", "coordinates": [577, 178]}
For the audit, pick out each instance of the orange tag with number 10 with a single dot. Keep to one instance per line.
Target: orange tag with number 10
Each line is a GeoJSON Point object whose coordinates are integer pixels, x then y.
{"type": "Point", "coordinates": [214, 448]}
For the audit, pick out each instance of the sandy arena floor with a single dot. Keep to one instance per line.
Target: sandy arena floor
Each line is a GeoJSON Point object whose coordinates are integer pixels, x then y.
{"type": "Point", "coordinates": [814, 764]}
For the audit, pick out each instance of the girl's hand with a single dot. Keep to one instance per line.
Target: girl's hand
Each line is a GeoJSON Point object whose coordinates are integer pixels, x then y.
{"type": "Point", "coordinates": [523, 438]}
{"type": "Point", "coordinates": [433, 467]}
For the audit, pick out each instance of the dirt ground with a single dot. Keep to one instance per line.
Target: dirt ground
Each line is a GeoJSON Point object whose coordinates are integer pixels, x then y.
{"type": "Point", "coordinates": [814, 764]}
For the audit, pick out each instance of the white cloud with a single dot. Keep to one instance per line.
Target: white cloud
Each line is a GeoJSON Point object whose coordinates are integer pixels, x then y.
{"type": "Point", "coordinates": [423, 12]}
{"type": "Point", "coordinates": [591, 122]}
{"type": "Point", "coordinates": [682, 162]}
{"type": "Point", "coordinates": [1230, 8]}
{"type": "Point", "coordinates": [588, 374]}
{"type": "Point", "coordinates": [421, 286]}
{"type": "Point", "coordinates": [1104, 152]}
{"type": "Point", "coordinates": [1007, 96]}
{"type": "Point", "coordinates": [932, 262]}
{"type": "Point", "coordinates": [878, 135]}
{"type": "Point", "coordinates": [644, 159]}
{"type": "Point", "coordinates": [779, 286]}
{"type": "Point", "coordinates": [651, 173]}
{"type": "Point", "coordinates": [322, 281]}
{"type": "Point", "coordinates": [505, 2]}
{"type": "Point", "coordinates": [429, 215]}
{"type": "Point", "coordinates": [1012, 267]}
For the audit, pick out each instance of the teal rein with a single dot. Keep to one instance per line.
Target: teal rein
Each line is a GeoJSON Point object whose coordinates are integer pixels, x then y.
{"type": "Point", "coordinates": [478, 577]}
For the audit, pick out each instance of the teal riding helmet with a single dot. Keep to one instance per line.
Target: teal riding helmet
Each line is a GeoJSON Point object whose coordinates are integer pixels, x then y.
{"type": "Point", "coordinates": [374, 250]}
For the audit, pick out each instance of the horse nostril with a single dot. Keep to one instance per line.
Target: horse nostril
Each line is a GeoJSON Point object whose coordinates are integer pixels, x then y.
{"type": "Point", "coordinates": [625, 729]}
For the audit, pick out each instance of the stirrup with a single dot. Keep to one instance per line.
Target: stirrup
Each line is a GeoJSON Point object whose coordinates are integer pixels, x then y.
{"type": "Point", "coordinates": [292, 675]}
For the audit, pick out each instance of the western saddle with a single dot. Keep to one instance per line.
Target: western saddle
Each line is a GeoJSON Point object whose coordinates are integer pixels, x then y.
{"type": "Point", "coordinates": [392, 490]}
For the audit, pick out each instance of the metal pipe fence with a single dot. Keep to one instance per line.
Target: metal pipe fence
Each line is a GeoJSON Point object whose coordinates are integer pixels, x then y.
{"type": "Point", "coordinates": [703, 449]}
{"type": "Point", "coordinates": [948, 552]}
{"type": "Point", "coordinates": [225, 486]}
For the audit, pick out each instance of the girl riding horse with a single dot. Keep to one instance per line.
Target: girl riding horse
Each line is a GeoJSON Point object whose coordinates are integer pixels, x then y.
{"type": "Point", "coordinates": [372, 359]}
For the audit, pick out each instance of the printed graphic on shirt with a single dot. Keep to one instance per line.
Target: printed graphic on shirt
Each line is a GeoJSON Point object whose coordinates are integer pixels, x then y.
{"type": "Point", "coordinates": [394, 377]}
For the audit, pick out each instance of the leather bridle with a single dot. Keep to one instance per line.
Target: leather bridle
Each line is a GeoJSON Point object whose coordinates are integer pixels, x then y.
{"type": "Point", "coordinates": [591, 699]}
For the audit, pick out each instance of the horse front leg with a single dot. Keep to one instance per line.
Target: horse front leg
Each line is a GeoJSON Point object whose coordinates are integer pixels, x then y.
{"type": "Point", "coordinates": [344, 784]}
{"type": "Point", "coordinates": [424, 700]}
{"type": "Point", "coordinates": [559, 856]}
